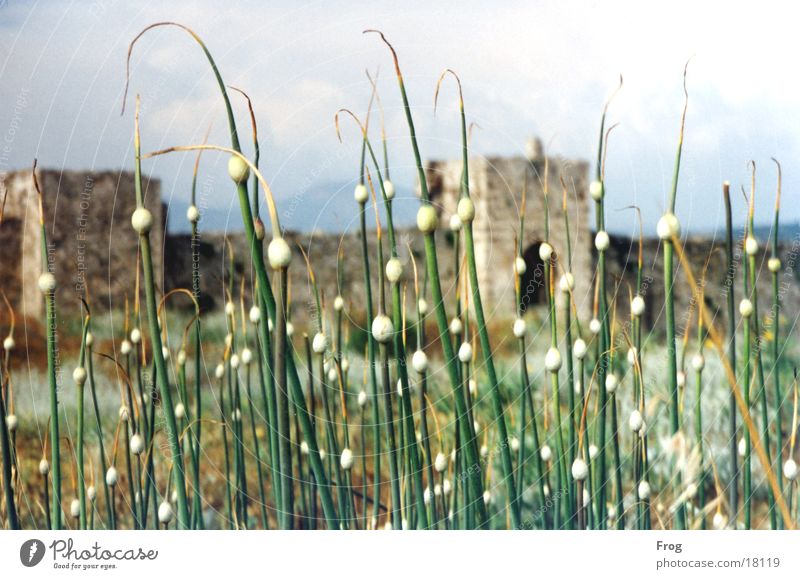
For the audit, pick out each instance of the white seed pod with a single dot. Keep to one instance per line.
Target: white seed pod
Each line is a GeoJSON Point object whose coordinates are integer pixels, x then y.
{"type": "Point", "coordinates": [320, 343]}
{"type": "Point", "coordinates": [47, 282]}
{"type": "Point", "coordinates": [580, 349]}
{"type": "Point", "coordinates": [362, 399]}
{"type": "Point", "coordinates": [519, 328]}
{"type": "Point", "coordinates": [453, 456]}
{"type": "Point", "coordinates": [9, 343]}
{"type": "Point", "coordinates": [111, 476]}
{"type": "Point", "coordinates": [668, 226]}
{"type": "Point", "coordinates": [279, 253]}
{"type": "Point", "coordinates": [422, 305]}
{"type": "Point", "coordinates": [545, 252]}
{"type": "Point", "coordinates": [124, 415]}
{"type": "Point", "coordinates": [345, 365]}
{"type": "Point", "coordinates": [304, 447]}
{"type": "Point", "coordinates": [180, 411]}
{"type": "Point", "coordinates": [91, 492]}
{"type": "Point", "coordinates": [137, 444]}
{"type": "Point", "coordinates": [346, 459]}
{"type": "Point", "coordinates": [125, 347]}
{"type": "Point", "coordinates": [632, 355]}
{"type": "Point", "coordinates": [691, 490]}
{"type": "Point", "coordinates": [790, 469]}
{"type": "Point", "coordinates": [611, 383]}
{"type": "Point", "coordinates": [427, 219]}
{"type": "Point", "coordinates": [635, 422]}
{"type": "Point", "coordinates": [520, 267]}
{"type": "Point", "coordinates": [552, 360]}
{"type": "Point", "coordinates": [165, 513]}
{"type": "Point", "coordinates": [466, 210]}
{"type": "Point", "coordinates": [426, 495]}
{"type": "Point", "coordinates": [514, 443]}
{"type": "Point", "coordinates": [230, 309]}
{"type": "Point", "coordinates": [637, 305]}
{"type": "Point", "coordinates": [487, 497]}
{"type": "Point", "coordinates": [455, 223]}
{"type": "Point", "coordinates": [440, 463]}
{"type": "Point", "coordinates": [484, 451]}
{"type": "Point", "coordinates": [394, 270]}
{"type": "Point", "coordinates": [476, 426]}
{"type": "Point", "coordinates": [601, 240]}
{"type": "Point", "coordinates": [387, 526]}
{"type": "Point", "coordinates": [698, 362]}
{"type": "Point", "coordinates": [219, 371]}
{"type": "Point", "coordinates": [681, 378]}
{"type": "Point", "coordinates": [473, 386]}
{"type": "Point", "coordinates": [193, 214]}
{"type": "Point", "coordinates": [388, 189]}
{"type": "Point", "coordinates": [44, 467]}
{"type": "Point", "coordinates": [437, 490]}
{"type": "Point", "coordinates": [338, 303]}
{"type": "Point", "coordinates": [399, 387]}
{"type": "Point", "coordinates": [774, 264]}
{"type": "Point", "coordinates": [742, 446]}
{"type": "Point", "coordinates": [247, 356]}
{"type": "Point", "coordinates": [465, 352]}
{"type": "Point", "coordinates": [596, 190]}
{"type": "Point", "coordinates": [332, 375]}
{"type": "Point", "coordinates": [587, 498]}
{"type": "Point", "coordinates": [238, 170]}
{"type": "Point", "coordinates": [546, 490]}
{"type": "Point", "coordinates": [136, 335]}
{"type": "Point", "coordinates": [79, 376]}
{"type": "Point", "coordinates": [719, 521]}
{"type": "Point", "coordinates": [165, 353]}
{"type": "Point", "coordinates": [361, 195]}
{"type": "Point", "coordinates": [644, 490]}
{"type": "Point", "coordinates": [577, 387]}
{"type": "Point", "coordinates": [289, 329]}
{"type": "Point", "coordinates": [751, 245]}
{"type": "Point", "coordinates": [12, 422]}
{"type": "Point", "coordinates": [255, 315]}
{"type": "Point", "coordinates": [593, 450]}
{"type": "Point", "coordinates": [235, 361]}
{"type": "Point", "coordinates": [456, 327]}
{"type": "Point", "coordinates": [181, 357]}
{"type": "Point", "coordinates": [595, 326]}
{"type": "Point", "coordinates": [546, 453]}
{"type": "Point", "coordinates": [89, 339]}
{"type": "Point", "coordinates": [419, 361]}
{"type": "Point", "coordinates": [142, 220]}
{"type": "Point", "coordinates": [579, 469]}
{"type": "Point", "coordinates": [446, 487]}
{"type": "Point", "coordinates": [567, 283]}
{"type": "Point", "coordinates": [75, 508]}
{"type": "Point", "coordinates": [382, 328]}
{"type": "Point", "coordinates": [746, 308]}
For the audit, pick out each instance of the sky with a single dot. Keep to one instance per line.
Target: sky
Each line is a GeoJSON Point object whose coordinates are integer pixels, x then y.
{"type": "Point", "coordinates": [528, 68]}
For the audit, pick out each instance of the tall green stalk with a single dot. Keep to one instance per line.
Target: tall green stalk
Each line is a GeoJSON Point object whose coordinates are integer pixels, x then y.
{"type": "Point", "coordinates": [142, 227]}
{"type": "Point", "coordinates": [472, 471]}
{"type": "Point", "coordinates": [47, 285]}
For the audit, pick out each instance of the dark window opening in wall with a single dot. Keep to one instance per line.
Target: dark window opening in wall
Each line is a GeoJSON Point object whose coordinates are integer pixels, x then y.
{"type": "Point", "coordinates": [532, 287]}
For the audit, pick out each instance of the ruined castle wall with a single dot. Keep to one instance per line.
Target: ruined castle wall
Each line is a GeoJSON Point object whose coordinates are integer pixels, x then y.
{"type": "Point", "coordinates": [496, 186]}
{"type": "Point", "coordinates": [90, 240]}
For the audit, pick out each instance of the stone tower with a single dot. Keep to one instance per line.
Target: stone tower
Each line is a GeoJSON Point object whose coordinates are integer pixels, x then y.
{"type": "Point", "coordinates": [89, 234]}
{"type": "Point", "coordinates": [496, 185]}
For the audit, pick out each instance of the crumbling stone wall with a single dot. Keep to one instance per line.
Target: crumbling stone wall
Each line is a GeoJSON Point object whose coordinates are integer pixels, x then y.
{"type": "Point", "coordinates": [496, 186]}
{"type": "Point", "coordinates": [91, 245]}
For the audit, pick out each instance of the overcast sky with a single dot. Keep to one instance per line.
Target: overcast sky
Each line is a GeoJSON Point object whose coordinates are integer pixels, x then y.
{"type": "Point", "coordinates": [541, 68]}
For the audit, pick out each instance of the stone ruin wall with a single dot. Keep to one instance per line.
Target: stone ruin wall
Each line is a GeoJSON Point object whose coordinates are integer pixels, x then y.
{"type": "Point", "coordinates": [90, 240]}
